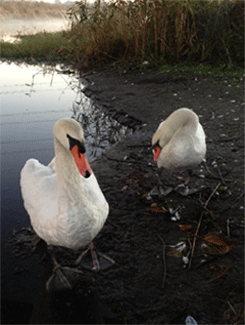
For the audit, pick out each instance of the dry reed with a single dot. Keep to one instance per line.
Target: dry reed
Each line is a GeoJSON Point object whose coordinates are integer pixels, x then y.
{"type": "Point", "coordinates": [173, 30]}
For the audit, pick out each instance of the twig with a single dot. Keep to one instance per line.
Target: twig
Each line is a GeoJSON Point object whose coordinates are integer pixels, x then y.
{"type": "Point", "coordinates": [164, 263]}
{"type": "Point", "coordinates": [164, 266]}
{"type": "Point", "coordinates": [199, 223]}
{"type": "Point", "coordinates": [221, 177]}
{"type": "Point", "coordinates": [211, 195]}
{"type": "Point", "coordinates": [195, 238]}
{"type": "Point", "coordinates": [113, 224]}
{"type": "Point", "coordinates": [228, 227]}
{"type": "Point", "coordinates": [231, 307]}
{"type": "Point", "coordinates": [216, 177]}
{"type": "Point", "coordinates": [208, 170]}
{"type": "Point", "coordinates": [239, 196]}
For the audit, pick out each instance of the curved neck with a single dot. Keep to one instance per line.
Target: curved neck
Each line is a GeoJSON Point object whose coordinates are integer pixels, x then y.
{"type": "Point", "coordinates": [67, 173]}
{"type": "Point", "coordinates": [183, 119]}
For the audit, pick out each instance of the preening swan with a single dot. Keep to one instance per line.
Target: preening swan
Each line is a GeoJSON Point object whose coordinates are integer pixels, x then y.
{"type": "Point", "coordinates": [64, 201]}
{"type": "Point", "coordinates": [179, 142]}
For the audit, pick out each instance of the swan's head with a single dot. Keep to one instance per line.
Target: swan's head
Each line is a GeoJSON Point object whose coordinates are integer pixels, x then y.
{"type": "Point", "coordinates": [70, 135]}
{"type": "Point", "coordinates": [158, 142]}
{"type": "Point", "coordinates": [180, 123]}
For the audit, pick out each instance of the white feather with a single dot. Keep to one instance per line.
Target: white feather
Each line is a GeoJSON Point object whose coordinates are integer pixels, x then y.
{"type": "Point", "coordinates": [65, 208]}
{"type": "Point", "coordinates": [182, 141]}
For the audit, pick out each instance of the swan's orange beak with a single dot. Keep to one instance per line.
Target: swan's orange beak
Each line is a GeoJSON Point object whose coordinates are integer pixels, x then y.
{"type": "Point", "coordinates": [156, 152]}
{"type": "Point", "coordinates": [81, 162]}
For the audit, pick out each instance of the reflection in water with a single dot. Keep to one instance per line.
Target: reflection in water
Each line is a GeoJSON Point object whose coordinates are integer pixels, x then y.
{"type": "Point", "coordinates": [11, 27]}
{"type": "Point", "coordinates": [32, 99]}
{"type": "Point", "coordinates": [100, 130]}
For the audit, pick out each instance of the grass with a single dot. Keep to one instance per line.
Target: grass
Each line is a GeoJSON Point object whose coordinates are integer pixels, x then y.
{"type": "Point", "coordinates": [196, 33]}
{"type": "Point", "coordinates": [39, 47]}
{"type": "Point", "coordinates": [222, 71]}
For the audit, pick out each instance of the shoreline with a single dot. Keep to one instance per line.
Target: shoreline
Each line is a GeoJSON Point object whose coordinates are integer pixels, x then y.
{"type": "Point", "coordinates": [13, 28]}
{"type": "Point", "coordinates": [135, 232]}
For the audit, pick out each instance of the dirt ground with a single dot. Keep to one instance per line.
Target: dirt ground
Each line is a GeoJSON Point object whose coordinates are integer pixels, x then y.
{"type": "Point", "coordinates": [150, 282]}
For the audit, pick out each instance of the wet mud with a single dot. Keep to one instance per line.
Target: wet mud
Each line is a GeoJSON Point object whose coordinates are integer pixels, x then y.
{"type": "Point", "coordinates": [175, 255]}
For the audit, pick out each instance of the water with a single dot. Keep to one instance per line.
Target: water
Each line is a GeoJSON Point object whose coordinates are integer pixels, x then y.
{"type": "Point", "coordinates": [32, 99]}
{"type": "Point", "coordinates": [13, 27]}
{"type": "Point", "coordinates": [31, 102]}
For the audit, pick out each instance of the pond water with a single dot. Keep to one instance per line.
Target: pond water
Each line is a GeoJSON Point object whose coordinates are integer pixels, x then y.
{"type": "Point", "coordinates": [32, 99]}
{"type": "Point", "coordinates": [12, 27]}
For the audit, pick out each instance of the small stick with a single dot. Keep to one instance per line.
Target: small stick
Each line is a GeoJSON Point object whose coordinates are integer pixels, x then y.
{"type": "Point", "coordinates": [199, 223]}
{"type": "Point", "coordinates": [164, 263]}
{"type": "Point", "coordinates": [164, 266]}
{"type": "Point", "coordinates": [231, 307]}
{"type": "Point", "coordinates": [228, 227]}
{"type": "Point", "coordinates": [221, 177]}
{"type": "Point", "coordinates": [214, 191]}
{"type": "Point", "coordinates": [239, 196]}
{"type": "Point", "coordinates": [194, 240]}
{"type": "Point", "coordinates": [214, 176]}
{"type": "Point", "coordinates": [208, 170]}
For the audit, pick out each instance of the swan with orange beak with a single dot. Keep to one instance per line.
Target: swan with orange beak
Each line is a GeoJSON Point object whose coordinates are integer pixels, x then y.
{"type": "Point", "coordinates": [179, 142]}
{"type": "Point", "coordinates": [64, 201]}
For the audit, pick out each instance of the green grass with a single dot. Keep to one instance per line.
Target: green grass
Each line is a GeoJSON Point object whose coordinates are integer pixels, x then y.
{"type": "Point", "coordinates": [222, 71]}
{"type": "Point", "coordinates": [39, 47]}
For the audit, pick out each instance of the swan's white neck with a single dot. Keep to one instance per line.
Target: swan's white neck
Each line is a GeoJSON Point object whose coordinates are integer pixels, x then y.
{"type": "Point", "coordinates": [67, 175]}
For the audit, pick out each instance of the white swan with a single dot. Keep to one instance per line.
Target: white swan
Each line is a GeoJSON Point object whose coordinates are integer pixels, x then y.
{"type": "Point", "coordinates": [64, 201]}
{"type": "Point", "coordinates": [179, 142]}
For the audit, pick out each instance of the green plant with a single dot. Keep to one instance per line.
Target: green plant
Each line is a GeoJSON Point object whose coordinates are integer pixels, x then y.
{"type": "Point", "coordinates": [41, 46]}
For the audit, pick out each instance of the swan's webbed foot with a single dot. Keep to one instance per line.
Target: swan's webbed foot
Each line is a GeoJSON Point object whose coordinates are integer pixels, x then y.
{"type": "Point", "coordinates": [58, 280]}
{"type": "Point", "coordinates": [159, 191]}
{"type": "Point", "coordinates": [98, 263]}
{"type": "Point", "coordinates": [185, 190]}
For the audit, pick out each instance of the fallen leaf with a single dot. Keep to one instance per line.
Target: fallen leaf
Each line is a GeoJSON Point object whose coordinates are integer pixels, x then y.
{"type": "Point", "coordinates": [153, 205]}
{"type": "Point", "coordinates": [215, 243]}
{"type": "Point", "coordinates": [158, 210]}
{"type": "Point", "coordinates": [175, 253]}
{"type": "Point", "coordinates": [185, 227]}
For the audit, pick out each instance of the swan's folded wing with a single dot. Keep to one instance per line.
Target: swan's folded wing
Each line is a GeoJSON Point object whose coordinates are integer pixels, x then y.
{"type": "Point", "coordinates": [39, 190]}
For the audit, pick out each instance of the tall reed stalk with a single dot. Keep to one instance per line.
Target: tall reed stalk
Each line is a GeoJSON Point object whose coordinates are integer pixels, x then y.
{"type": "Point", "coordinates": [173, 30]}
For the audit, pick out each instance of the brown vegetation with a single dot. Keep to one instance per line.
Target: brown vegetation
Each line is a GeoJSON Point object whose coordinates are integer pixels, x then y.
{"type": "Point", "coordinates": [193, 30]}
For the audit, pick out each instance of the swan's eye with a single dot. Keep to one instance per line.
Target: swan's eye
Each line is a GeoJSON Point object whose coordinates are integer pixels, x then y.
{"type": "Point", "coordinates": [74, 142]}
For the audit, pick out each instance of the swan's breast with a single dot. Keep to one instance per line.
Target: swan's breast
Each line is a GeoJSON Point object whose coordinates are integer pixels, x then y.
{"type": "Point", "coordinates": [200, 141]}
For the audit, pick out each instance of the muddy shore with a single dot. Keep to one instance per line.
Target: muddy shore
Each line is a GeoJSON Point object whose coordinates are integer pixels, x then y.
{"type": "Point", "coordinates": [150, 283]}
{"type": "Point", "coordinates": [135, 233]}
